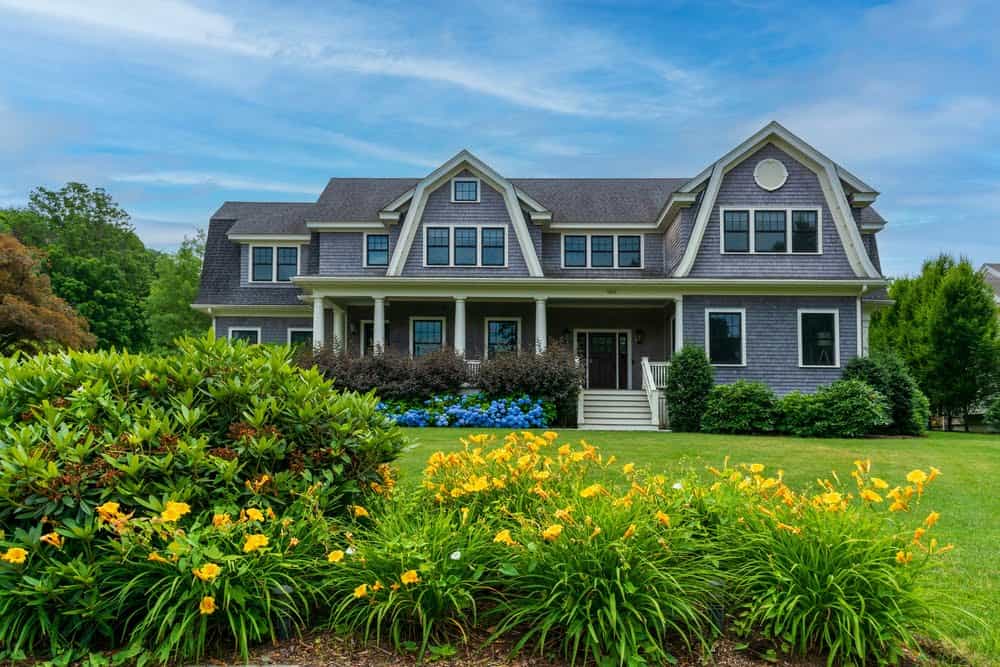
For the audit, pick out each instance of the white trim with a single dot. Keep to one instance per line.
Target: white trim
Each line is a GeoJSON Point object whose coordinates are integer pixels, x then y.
{"type": "Point", "coordinates": [230, 330]}
{"type": "Point", "coordinates": [228, 310]}
{"type": "Point", "coordinates": [614, 252]}
{"type": "Point", "coordinates": [478, 226]}
{"type": "Point", "coordinates": [743, 335]}
{"type": "Point", "coordinates": [829, 176]}
{"type": "Point", "coordinates": [860, 349]}
{"type": "Point", "coordinates": [486, 333]}
{"type": "Point", "coordinates": [452, 167]}
{"type": "Point", "coordinates": [364, 251]}
{"type": "Point", "coordinates": [444, 329]}
{"type": "Point", "coordinates": [274, 263]}
{"type": "Point", "coordinates": [269, 239]}
{"type": "Point", "coordinates": [787, 210]}
{"type": "Point", "coordinates": [466, 179]}
{"type": "Point", "coordinates": [836, 334]}
{"type": "Point", "coordinates": [586, 366]}
{"type": "Point", "coordinates": [292, 330]}
{"type": "Point", "coordinates": [346, 226]}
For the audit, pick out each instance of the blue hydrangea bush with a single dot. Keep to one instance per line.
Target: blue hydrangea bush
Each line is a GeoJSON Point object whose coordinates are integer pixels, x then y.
{"type": "Point", "coordinates": [471, 410]}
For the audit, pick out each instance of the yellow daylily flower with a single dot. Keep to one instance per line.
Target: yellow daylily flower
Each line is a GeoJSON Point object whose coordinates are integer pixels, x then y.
{"type": "Point", "coordinates": [410, 577]}
{"type": "Point", "coordinates": [174, 511]}
{"type": "Point", "coordinates": [15, 555]}
{"type": "Point", "coordinates": [254, 514]}
{"type": "Point", "coordinates": [207, 572]}
{"type": "Point", "coordinates": [361, 591]}
{"type": "Point", "coordinates": [870, 496]}
{"type": "Point", "coordinates": [207, 605]}
{"type": "Point", "coordinates": [663, 518]}
{"type": "Point", "coordinates": [335, 556]}
{"type": "Point", "coordinates": [916, 477]}
{"type": "Point", "coordinates": [629, 532]}
{"type": "Point", "coordinates": [254, 542]}
{"type": "Point", "coordinates": [628, 468]}
{"type": "Point", "coordinates": [360, 511]}
{"type": "Point", "coordinates": [221, 520]}
{"type": "Point", "coordinates": [503, 537]}
{"type": "Point", "coordinates": [109, 511]}
{"type": "Point", "coordinates": [932, 519]}
{"type": "Point", "coordinates": [552, 533]}
{"type": "Point", "coordinates": [53, 538]}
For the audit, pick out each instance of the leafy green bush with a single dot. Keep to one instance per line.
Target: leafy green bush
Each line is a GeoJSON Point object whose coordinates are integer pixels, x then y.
{"type": "Point", "coordinates": [197, 426]}
{"type": "Point", "coordinates": [887, 373]}
{"type": "Point", "coordinates": [845, 409]}
{"type": "Point", "coordinates": [552, 376]}
{"type": "Point", "coordinates": [391, 375]}
{"type": "Point", "coordinates": [741, 407]}
{"type": "Point", "coordinates": [993, 414]}
{"type": "Point", "coordinates": [688, 385]}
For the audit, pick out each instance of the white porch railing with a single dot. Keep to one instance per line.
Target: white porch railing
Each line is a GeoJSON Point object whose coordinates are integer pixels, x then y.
{"type": "Point", "coordinates": [652, 390]}
{"type": "Point", "coordinates": [660, 370]}
{"type": "Point", "coordinates": [472, 370]}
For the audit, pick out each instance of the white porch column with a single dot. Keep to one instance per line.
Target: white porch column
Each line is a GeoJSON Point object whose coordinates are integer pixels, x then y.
{"type": "Point", "coordinates": [678, 323]}
{"type": "Point", "coordinates": [378, 323]}
{"type": "Point", "coordinates": [541, 331]}
{"type": "Point", "coordinates": [339, 320]}
{"type": "Point", "coordinates": [318, 334]}
{"type": "Point", "coordinates": [459, 339]}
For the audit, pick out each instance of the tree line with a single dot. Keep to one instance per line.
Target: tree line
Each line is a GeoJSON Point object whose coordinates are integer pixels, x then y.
{"type": "Point", "coordinates": [74, 273]}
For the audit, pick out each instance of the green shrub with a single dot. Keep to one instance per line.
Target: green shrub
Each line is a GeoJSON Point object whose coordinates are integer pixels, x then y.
{"type": "Point", "coordinates": [741, 407]}
{"type": "Point", "coordinates": [845, 409]}
{"type": "Point", "coordinates": [552, 376]}
{"type": "Point", "coordinates": [992, 417]}
{"type": "Point", "coordinates": [392, 376]}
{"type": "Point", "coordinates": [887, 373]}
{"type": "Point", "coordinates": [688, 385]}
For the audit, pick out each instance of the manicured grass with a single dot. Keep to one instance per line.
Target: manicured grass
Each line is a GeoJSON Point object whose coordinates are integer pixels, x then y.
{"type": "Point", "coordinates": [967, 494]}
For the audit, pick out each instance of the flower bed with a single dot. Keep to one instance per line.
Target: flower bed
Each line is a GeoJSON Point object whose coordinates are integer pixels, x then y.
{"type": "Point", "coordinates": [471, 410]}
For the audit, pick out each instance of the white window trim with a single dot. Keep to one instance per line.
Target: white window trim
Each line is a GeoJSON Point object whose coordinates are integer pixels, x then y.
{"type": "Point", "coordinates": [479, 227]}
{"type": "Point", "coordinates": [751, 210]}
{"type": "Point", "coordinates": [614, 251]}
{"type": "Point", "coordinates": [361, 333]}
{"type": "Point", "coordinates": [292, 330]}
{"type": "Point", "coordinates": [586, 366]}
{"type": "Point", "coordinates": [486, 333]}
{"type": "Point", "coordinates": [743, 335]}
{"type": "Point", "coordinates": [836, 334]}
{"type": "Point", "coordinates": [466, 179]}
{"type": "Point", "coordinates": [364, 251]}
{"type": "Point", "coordinates": [230, 330]}
{"type": "Point", "coordinates": [444, 329]}
{"type": "Point", "coordinates": [274, 263]}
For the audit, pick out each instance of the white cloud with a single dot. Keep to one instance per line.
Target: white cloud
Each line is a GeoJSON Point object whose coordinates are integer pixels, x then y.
{"type": "Point", "coordinates": [221, 181]}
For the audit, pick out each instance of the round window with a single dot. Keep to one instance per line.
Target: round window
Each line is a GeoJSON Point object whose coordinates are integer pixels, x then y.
{"type": "Point", "coordinates": [770, 174]}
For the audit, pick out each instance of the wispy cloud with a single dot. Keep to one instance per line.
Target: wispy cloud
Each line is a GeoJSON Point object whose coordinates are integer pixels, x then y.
{"type": "Point", "coordinates": [220, 181]}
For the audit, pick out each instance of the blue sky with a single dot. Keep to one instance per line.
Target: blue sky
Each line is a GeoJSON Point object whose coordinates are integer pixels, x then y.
{"type": "Point", "coordinates": [177, 105]}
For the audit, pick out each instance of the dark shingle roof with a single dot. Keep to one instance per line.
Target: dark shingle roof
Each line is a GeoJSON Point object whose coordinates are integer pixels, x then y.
{"type": "Point", "coordinates": [265, 217]}
{"type": "Point", "coordinates": [881, 295]}
{"type": "Point", "coordinates": [993, 278]}
{"type": "Point", "coordinates": [358, 199]}
{"type": "Point", "coordinates": [614, 200]}
{"type": "Point", "coordinates": [869, 216]}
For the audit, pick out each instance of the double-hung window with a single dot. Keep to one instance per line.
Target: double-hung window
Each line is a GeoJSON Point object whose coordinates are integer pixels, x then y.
{"type": "Point", "coordinates": [438, 246]}
{"type": "Point", "coordinates": [770, 234]}
{"type": "Point", "coordinates": [493, 240]}
{"type": "Point", "coordinates": [465, 190]}
{"type": "Point", "coordinates": [629, 252]}
{"type": "Point", "coordinates": [377, 250]}
{"type": "Point", "coordinates": [575, 250]}
{"type": "Point", "coordinates": [602, 251]}
{"type": "Point", "coordinates": [725, 336]}
{"type": "Point", "coordinates": [465, 246]}
{"type": "Point", "coordinates": [736, 231]}
{"type": "Point", "coordinates": [300, 337]}
{"type": "Point", "coordinates": [426, 335]}
{"type": "Point", "coordinates": [250, 335]}
{"type": "Point", "coordinates": [805, 231]}
{"type": "Point", "coordinates": [270, 264]}
{"type": "Point", "coordinates": [772, 231]}
{"type": "Point", "coordinates": [819, 340]}
{"type": "Point", "coordinates": [502, 336]}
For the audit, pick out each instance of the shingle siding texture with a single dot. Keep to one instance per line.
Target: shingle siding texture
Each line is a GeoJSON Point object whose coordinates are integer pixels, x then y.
{"type": "Point", "coordinates": [772, 338]}
{"type": "Point", "coordinates": [272, 329]}
{"type": "Point", "coordinates": [342, 254]}
{"type": "Point", "coordinates": [677, 236]}
{"type": "Point", "coordinates": [244, 268]}
{"type": "Point", "coordinates": [801, 189]}
{"type": "Point", "coordinates": [551, 258]}
{"type": "Point", "coordinates": [491, 210]}
{"type": "Point", "coordinates": [871, 247]}
{"type": "Point", "coordinates": [223, 275]}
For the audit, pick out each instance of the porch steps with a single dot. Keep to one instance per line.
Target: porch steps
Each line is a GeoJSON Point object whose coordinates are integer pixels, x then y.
{"type": "Point", "coordinates": [612, 409]}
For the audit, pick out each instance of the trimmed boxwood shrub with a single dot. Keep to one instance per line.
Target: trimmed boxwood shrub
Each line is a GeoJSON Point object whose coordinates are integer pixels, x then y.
{"type": "Point", "coordinates": [552, 376]}
{"type": "Point", "coordinates": [391, 375]}
{"type": "Point", "coordinates": [886, 372]}
{"type": "Point", "coordinates": [741, 407]}
{"type": "Point", "coordinates": [688, 385]}
{"type": "Point", "coordinates": [845, 409]}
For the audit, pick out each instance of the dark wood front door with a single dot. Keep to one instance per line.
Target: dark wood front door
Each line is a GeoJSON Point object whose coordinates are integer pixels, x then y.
{"type": "Point", "coordinates": [602, 362]}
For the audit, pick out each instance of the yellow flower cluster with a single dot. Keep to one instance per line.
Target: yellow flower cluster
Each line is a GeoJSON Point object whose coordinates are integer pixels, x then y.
{"type": "Point", "coordinates": [15, 555]}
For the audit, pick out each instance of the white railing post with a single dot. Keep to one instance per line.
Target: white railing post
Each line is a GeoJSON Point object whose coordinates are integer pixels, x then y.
{"type": "Point", "coordinates": [652, 392]}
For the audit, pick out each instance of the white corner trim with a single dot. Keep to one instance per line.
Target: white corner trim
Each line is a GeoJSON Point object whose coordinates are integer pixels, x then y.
{"type": "Point", "coordinates": [836, 333]}
{"type": "Point", "coordinates": [709, 310]}
{"type": "Point", "coordinates": [827, 173]}
{"type": "Point", "coordinates": [486, 333]}
{"type": "Point", "coordinates": [434, 318]}
{"type": "Point", "coordinates": [230, 330]}
{"type": "Point", "coordinates": [435, 179]}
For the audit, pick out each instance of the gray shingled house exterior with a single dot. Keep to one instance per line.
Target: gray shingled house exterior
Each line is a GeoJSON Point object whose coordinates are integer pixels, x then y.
{"type": "Point", "coordinates": [767, 259]}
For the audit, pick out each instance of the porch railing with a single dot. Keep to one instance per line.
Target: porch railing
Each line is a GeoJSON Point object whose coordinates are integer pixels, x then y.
{"type": "Point", "coordinates": [472, 370]}
{"type": "Point", "coordinates": [660, 370]}
{"type": "Point", "coordinates": [652, 390]}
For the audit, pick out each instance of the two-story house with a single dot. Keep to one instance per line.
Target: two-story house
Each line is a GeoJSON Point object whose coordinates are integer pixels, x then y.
{"type": "Point", "coordinates": [767, 259]}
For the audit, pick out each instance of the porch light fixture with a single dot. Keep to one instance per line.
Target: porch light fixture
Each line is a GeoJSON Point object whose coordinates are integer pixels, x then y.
{"type": "Point", "coordinates": [640, 335]}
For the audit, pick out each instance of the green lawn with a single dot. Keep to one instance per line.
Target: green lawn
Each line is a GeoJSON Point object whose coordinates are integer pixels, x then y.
{"type": "Point", "coordinates": [967, 494]}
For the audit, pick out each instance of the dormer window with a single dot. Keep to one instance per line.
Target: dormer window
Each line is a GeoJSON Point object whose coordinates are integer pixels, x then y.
{"type": "Point", "coordinates": [273, 264]}
{"type": "Point", "coordinates": [465, 190]}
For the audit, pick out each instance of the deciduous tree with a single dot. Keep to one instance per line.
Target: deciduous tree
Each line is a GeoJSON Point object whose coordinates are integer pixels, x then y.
{"type": "Point", "coordinates": [168, 306]}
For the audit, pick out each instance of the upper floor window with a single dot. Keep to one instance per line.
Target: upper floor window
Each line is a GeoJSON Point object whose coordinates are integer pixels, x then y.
{"type": "Point", "coordinates": [465, 190]}
{"type": "Point", "coordinates": [771, 230]}
{"type": "Point", "coordinates": [270, 264]}
{"type": "Point", "coordinates": [438, 246]}
{"type": "Point", "coordinates": [494, 246]}
{"type": "Point", "coordinates": [770, 233]}
{"type": "Point", "coordinates": [376, 250]}
{"type": "Point", "coordinates": [819, 338]}
{"type": "Point", "coordinates": [725, 336]}
{"type": "Point", "coordinates": [602, 251]}
{"type": "Point", "coordinates": [466, 246]}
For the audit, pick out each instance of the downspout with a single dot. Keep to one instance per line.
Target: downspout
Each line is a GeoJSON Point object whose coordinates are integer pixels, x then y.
{"type": "Point", "coordinates": [861, 333]}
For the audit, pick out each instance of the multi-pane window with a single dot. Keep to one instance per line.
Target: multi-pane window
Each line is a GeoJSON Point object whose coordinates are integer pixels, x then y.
{"type": "Point", "coordinates": [602, 251]}
{"type": "Point", "coordinates": [805, 231]}
{"type": "Point", "coordinates": [465, 246]}
{"type": "Point", "coordinates": [263, 264]}
{"type": "Point", "coordinates": [736, 231]}
{"type": "Point", "coordinates": [493, 250]}
{"type": "Point", "coordinates": [427, 336]}
{"type": "Point", "coordinates": [438, 252]}
{"type": "Point", "coordinates": [769, 231]}
{"type": "Point", "coordinates": [725, 338]}
{"type": "Point", "coordinates": [629, 252]}
{"type": "Point", "coordinates": [818, 339]}
{"type": "Point", "coordinates": [465, 190]}
{"type": "Point", "coordinates": [368, 337]}
{"type": "Point", "coordinates": [300, 337]}
{"type": "Point", "coordinates": [575, 250]}
{"type": "Point", "coordinates": [377, 250]}
{"type": "Point", "coordinates": [288, 263]}
{"type": "Point", "coordinates": [501, 336]}
{"type": "Point", "coordinates": [249, 335]}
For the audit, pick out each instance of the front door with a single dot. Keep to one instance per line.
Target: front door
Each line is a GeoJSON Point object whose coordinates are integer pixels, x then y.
{"type": "Point", "coordinates": [605, 355]}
